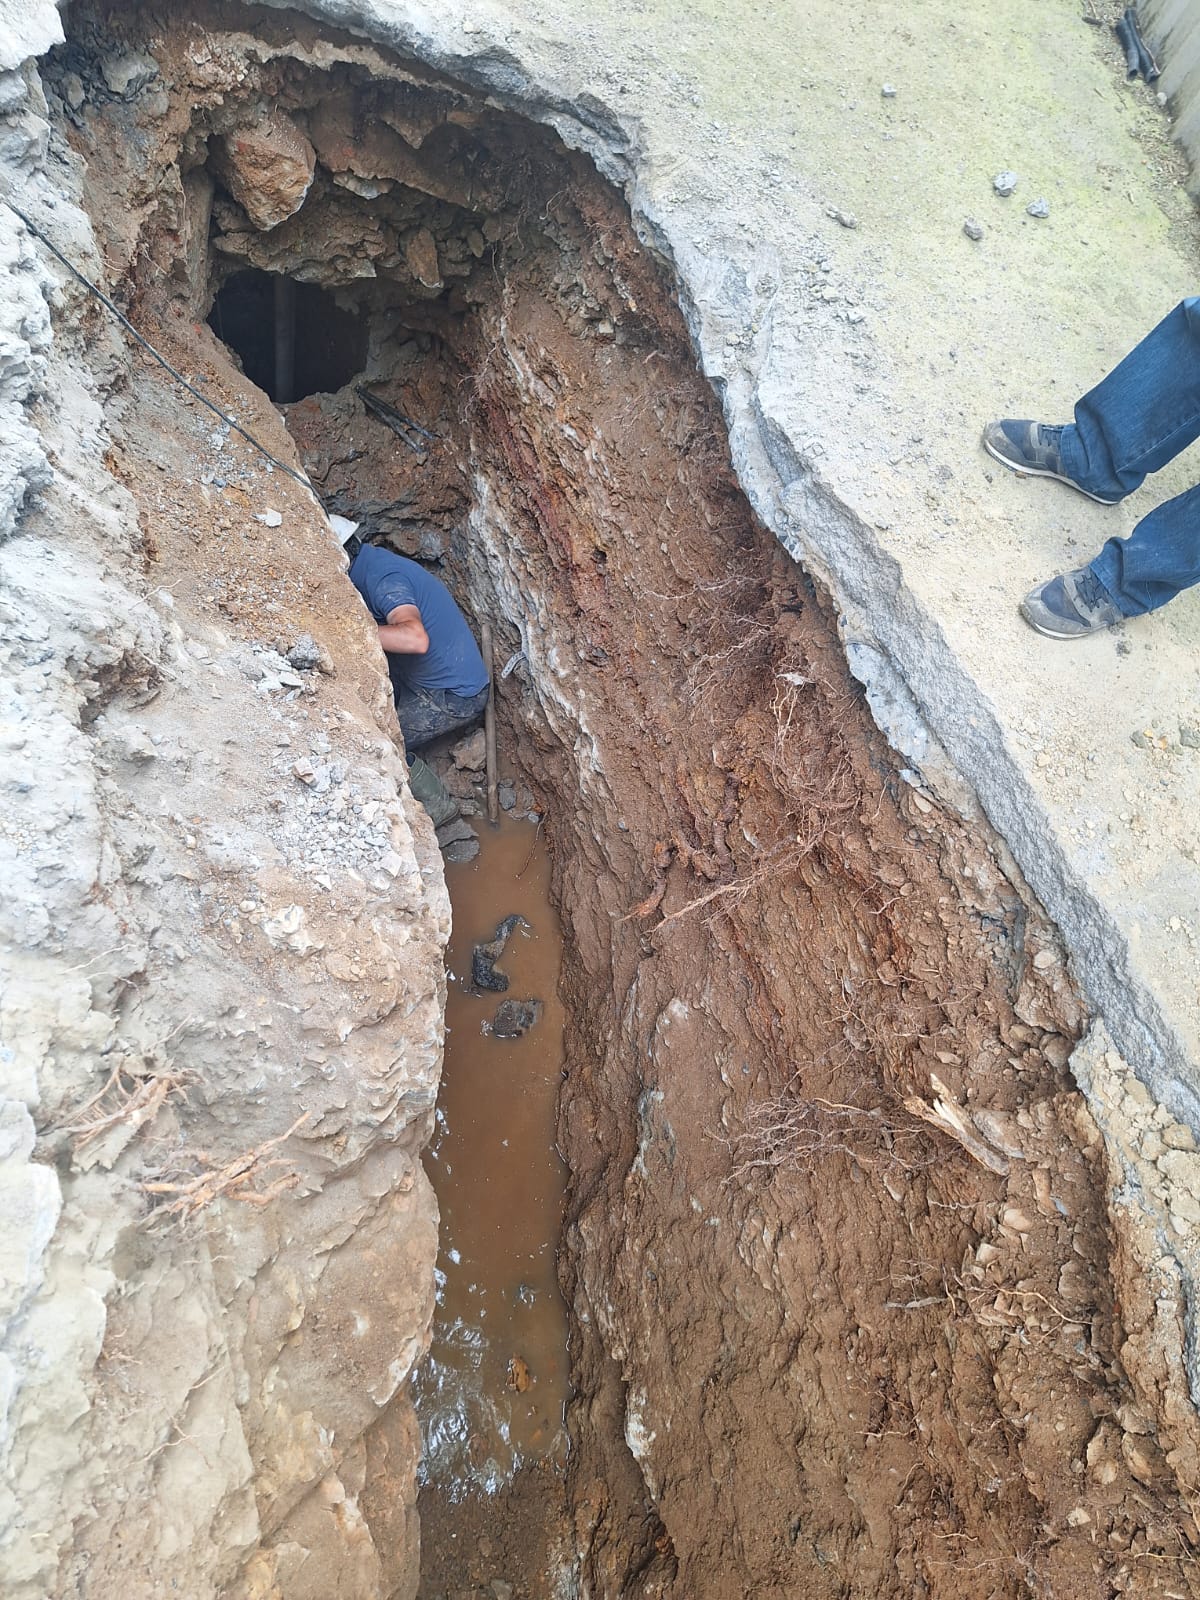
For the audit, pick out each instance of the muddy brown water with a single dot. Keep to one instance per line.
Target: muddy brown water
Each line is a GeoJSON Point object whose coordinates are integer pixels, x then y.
{"type": "Point", "coordinates": [491, 1393]}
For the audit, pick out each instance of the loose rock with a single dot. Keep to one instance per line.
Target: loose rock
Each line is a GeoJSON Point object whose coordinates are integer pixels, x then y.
{"type": "Point", "coordinates": [515, 1017]}
{"type": "Point", "coordinates": [1005, 182]}
{"type": "Point", "coordinates": [268, 169]}
{"type": "Point", "coordinates": [125, 75]}
{"type": "Point", "coordinates": [1038, 208]}
{"type": "Point", "coordinates": [455, 832]}
{"type": "Point", "coordinates": [973, 229]}
{"type": "Point", "coordinates": [305, 653]}
{"type": "Point", "coordinates": [471, 753]}
{"type": "Point", "coordinates": [462, 850]}
{"type": "Point", "coordinates": [484, 974]}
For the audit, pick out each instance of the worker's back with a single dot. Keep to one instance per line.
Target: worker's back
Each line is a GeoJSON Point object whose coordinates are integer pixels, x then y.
{"type": "Point", "coordinates": [387, 580]}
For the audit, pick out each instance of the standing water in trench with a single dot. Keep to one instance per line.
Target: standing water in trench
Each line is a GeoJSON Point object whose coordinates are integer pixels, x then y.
{"type": "Point", "coordinates": [491, 1394]}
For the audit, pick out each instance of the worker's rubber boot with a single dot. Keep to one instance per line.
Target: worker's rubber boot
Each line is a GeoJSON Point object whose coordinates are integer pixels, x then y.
{"type": "Point", "coordinates": [431, 792]}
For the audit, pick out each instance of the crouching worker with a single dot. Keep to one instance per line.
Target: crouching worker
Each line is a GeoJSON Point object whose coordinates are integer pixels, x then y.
{"type": "Point", "coordinates": [439, 681]}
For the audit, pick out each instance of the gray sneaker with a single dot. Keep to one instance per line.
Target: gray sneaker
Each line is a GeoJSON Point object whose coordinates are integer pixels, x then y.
{"type": "Point", "coordinates": [1031, 448]}
{"type": "Point", "coordinates": [1070, 606]}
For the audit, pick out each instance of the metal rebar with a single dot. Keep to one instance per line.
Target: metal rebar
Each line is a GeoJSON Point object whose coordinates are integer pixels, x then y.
{"type": "Point", "coordinates": [285, 341]}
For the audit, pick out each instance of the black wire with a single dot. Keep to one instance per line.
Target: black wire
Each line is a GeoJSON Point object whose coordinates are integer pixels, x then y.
{"type": "Point", "coordinates": [162, 360]}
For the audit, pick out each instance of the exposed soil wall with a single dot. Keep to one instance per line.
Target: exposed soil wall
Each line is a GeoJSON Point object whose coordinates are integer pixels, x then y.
{"type": "Point", "coordinates": [852, 1312]}
{"type": "Point", "coordinates": [851, 1352]}
{"type": "Point", "coordinates": [222, 986]}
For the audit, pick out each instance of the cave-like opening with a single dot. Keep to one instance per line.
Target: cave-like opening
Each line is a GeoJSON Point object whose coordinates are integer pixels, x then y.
{"type": "Point", "coordinates": [293, 339]}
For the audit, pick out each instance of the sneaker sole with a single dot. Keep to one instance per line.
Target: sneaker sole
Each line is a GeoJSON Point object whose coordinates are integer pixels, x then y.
{"type": "Point", "coordinates": [1023, 471]}
{"type": "Point", "coordinates": [1054, 633]}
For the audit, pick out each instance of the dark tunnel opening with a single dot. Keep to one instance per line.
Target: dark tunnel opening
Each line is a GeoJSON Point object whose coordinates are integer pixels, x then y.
{"type": "Point", "coordinates": [293, 339]}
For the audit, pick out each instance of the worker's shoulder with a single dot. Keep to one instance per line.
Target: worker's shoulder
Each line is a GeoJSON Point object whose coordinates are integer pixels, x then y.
{"type": "Point", "coordinates": [375, 558]}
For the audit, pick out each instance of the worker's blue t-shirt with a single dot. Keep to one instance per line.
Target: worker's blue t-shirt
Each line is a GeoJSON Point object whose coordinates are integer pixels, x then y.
{"type": "Point", "coordinates": [385, 581]}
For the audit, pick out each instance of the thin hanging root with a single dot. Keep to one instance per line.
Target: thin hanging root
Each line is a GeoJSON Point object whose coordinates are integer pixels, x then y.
{"type": "Point", "coordinates": [238, 1179]}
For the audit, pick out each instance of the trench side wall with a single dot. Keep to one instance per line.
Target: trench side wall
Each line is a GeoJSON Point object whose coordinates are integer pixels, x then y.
{"type": "Point", "coordinates": [1172, 30]}
{"type": "Point", "coordinates": [189, 1019]}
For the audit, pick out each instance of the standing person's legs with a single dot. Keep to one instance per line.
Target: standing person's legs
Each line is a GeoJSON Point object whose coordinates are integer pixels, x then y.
{"type": "Point", "coordinates": [1160, 557]}
{"type": "Point", "coordinates": [424, 714]}
{"type": "Point", "coordinates": [1141, 415]}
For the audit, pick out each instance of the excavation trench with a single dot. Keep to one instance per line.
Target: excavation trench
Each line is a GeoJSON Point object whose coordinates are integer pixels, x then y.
{"type": "Point", "coordinates": [835, 1249]}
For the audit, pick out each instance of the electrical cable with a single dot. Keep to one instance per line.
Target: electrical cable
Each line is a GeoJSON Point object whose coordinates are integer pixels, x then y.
{"type": "Point", "coordinates": [162, 360]}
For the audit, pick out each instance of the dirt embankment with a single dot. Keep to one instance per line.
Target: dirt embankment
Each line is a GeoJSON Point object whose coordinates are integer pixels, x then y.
{"type": "Point", "coordinates": [850, 1314]}
{"type": "Point", "coordinates": [839, 1250]}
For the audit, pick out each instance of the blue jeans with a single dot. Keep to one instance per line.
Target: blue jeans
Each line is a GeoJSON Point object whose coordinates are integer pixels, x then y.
{"type": "Point", "coordinates": [1136, 420]}
{"type": "Point", "coordinates": [424, 714]}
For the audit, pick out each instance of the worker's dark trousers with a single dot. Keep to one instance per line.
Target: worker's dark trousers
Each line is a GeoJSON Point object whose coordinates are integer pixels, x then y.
{"type": "Point", "coordinates": [1132, 423]}
{"type": "Point", "coordinates": [426, 713]}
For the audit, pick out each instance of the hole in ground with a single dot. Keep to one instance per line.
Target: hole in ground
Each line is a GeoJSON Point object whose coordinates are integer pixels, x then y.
{"type": "Point", "coordinates": [292, 339]}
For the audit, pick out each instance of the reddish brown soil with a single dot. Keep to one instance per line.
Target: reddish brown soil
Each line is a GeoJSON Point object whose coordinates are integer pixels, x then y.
{"type": "Point", "coordinates": [862, 1361]}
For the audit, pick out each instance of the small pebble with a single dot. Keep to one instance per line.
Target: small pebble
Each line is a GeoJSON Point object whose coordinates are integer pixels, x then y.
{"type": "Point", "coordinates": [888, 91]}
{"type": "Point", "coordinates": [847, 219]}
{"type": "Point", "coordinates": [1005, 182]}
{"type": "Point", "coordinates": [973, 229]}
{"type": "Point", "coordinates": [269, 519]}
{"type": "Point", "coordinates": [1038, 208]}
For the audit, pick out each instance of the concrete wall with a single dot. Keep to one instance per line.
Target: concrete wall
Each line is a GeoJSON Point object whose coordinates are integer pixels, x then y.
{"type": "Point", "coordinates": [1172, 30]}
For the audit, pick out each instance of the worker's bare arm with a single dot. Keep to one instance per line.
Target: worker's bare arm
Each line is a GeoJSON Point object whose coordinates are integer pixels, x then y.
{"type": "Point", "coordinates": [403, 634]}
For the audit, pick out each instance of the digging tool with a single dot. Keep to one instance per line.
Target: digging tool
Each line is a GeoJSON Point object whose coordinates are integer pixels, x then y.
{"type": "Point", "coordinates": [403, 427]}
